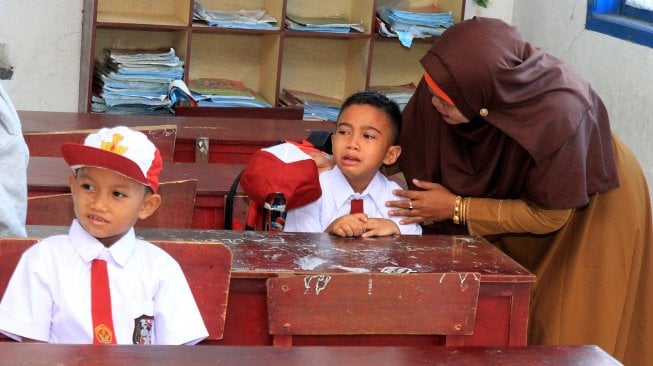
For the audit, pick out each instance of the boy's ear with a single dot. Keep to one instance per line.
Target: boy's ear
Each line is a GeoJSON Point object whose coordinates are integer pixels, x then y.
{"type": "Point", "coordinates": [392, 155]}
{"type": "Point", "coordinates": [150, 205]}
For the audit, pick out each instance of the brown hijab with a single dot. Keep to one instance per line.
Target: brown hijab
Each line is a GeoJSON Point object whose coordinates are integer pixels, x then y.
{"type": "Point", "coordinates": [545, 138]}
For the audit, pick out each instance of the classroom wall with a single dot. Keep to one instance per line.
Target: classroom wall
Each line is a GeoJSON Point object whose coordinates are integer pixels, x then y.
{"type": "Point", "coordinates": [40, 43]}
{"type": "Point", "coordinates": [40, 51]}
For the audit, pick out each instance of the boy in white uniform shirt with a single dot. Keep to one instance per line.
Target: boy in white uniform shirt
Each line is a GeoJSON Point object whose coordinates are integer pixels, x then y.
{"type": "Point", "coordinates": [58, 292]}
{"type": "Point", "coordinates": [366, 137]}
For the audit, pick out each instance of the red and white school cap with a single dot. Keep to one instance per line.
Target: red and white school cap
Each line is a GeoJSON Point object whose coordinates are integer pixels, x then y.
{"type": "Point", "coordinates": [120, 149]}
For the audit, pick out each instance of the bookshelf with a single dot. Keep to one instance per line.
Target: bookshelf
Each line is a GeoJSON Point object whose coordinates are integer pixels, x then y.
{"type": "Point", "coordinates": [266, 61]}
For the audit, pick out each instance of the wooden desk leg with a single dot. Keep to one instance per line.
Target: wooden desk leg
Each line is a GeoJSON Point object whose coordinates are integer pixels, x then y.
{"type": "Point", "coordinates": [202, 150]}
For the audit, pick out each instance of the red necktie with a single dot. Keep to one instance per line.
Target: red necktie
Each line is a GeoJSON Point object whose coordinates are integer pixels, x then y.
{"type": "Point", "coordinates": [101, 304]}
{"type": "Point", "coordinates": [356, 206]}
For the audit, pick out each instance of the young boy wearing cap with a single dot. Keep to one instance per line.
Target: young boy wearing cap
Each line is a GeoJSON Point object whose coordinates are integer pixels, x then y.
{"type": "Point", "coordinates": [60, 292]}
{"type": "Point", "coordinates": [354, 192]}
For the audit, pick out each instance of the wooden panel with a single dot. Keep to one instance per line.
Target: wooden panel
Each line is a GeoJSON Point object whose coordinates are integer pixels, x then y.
{"type": "Point", "coordinates": [207, 268]}
{"type": "Point", "coordinates": [208, 271]}
{"type": "Point", "coordinates": [426, 303]}
{"type": "Point", "coordinates": [49, 143]}
{"type": "Point", "coordinates": [177, 206]}
{"type": "Point", "coordinates": [175, 212]}
{"type": "Point", "coordinates": [238, 112]}
{"type": "Point", "coordinates": [55, 209]}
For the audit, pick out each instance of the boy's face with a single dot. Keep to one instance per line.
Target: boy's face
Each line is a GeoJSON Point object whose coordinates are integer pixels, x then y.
{"type": "Point", "coordinates": [362, 143]}
{"type": "Point", "coordinates": [108, 204]}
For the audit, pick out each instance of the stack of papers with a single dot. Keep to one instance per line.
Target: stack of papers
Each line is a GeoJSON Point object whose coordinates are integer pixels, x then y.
{"type": "Point", "coordinates": [243, 19]}
{"type": "Point", "coordinates": [409, 23]}
{"type": "Point", "coordinates": [136, 81]}
{"type": "Point", "coordinates": [214, 92]}
{"type": "Point", "coordinates": [399, 93]}
{"type": "Point", "coordinates": [331, 24]}
{"type": "Point", "coordinates": [316, 107]}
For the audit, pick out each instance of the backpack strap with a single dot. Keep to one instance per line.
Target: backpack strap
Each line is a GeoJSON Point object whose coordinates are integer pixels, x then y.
{"type": "Point", "coordinates": [229, 203]}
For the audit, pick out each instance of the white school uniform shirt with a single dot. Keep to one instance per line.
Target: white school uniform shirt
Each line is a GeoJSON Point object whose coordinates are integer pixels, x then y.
{"type": "Point", "coordinates": [336, 202]}
{"type": "Point", "coordinates": [49, 295]}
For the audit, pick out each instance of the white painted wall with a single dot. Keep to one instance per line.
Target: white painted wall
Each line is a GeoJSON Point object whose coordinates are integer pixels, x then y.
{"type": "Point", "coordinates": [41, 39]}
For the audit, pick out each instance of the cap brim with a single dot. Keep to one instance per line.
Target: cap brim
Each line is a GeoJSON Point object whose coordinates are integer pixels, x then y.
{"type": "Point", "coordinates": [78, 155]}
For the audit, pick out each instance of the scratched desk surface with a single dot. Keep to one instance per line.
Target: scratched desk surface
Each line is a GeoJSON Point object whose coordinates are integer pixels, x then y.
{"type": "Point", "coordinates": [256, 251]}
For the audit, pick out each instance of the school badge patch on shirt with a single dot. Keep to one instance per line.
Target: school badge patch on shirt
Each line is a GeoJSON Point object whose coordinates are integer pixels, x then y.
{"type": "Point", "coordinates": [143, 330]}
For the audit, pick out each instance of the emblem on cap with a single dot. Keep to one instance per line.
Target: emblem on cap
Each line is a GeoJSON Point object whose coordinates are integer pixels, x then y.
{"type": "Point", "coordinates": [114, 145]}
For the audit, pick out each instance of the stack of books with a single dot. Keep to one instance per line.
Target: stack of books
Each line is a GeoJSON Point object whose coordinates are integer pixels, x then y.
{"type": "Point", "coordinates": [216, 92]}
{"type": "Point", "coordinates": [407, 23]}
{"type": "Point", "coordinates": [135, 81]}
{"type": "Point", "coordinates": [243, 19]}
{"type": "Point", "coordinates": [332, 24]}
{"type": "Point", "coordinates": [316, 107]}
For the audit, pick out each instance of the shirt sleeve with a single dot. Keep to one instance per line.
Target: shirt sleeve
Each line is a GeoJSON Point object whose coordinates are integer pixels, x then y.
{"type": "Point", "coordinates": [491, 216]}
{"type": "Point", "coordinates": [177, 319]}
{"type": "Point", "coordinates": [26, 307]}
{"type": "Point", "coordinates": [305, 219]}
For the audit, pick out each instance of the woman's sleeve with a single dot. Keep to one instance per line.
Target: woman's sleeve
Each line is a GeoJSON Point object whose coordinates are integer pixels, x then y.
{"type": "Point", "coordinates": [486, 216]}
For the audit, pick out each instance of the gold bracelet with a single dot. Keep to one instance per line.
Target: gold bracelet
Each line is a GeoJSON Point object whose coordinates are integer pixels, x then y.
{"type": "Point", "coordinates": [462, 212]}
{"type": "Point", "coordinates": [467, 202]}
{"type": "Point", "coordinates": [456, 210]}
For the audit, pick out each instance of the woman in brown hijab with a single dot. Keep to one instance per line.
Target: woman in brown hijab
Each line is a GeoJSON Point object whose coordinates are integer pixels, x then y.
{"type": "Point", "coordinates": [504, 141]}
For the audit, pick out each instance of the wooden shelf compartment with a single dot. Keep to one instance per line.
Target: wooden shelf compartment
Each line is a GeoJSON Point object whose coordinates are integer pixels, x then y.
{"type": "Point", "coordinates": [272, 7]}
{"type": "Point", "coordinates": [140, 39]}
{"type": "Point", "coordinates": [394, 64]}
{"type": "Point", "coordinates": [155, 12]}
{"type": "Point", "coordinates": [250, 58]}
{"type": "Point", "coordinates": [356, 10]}
{"type": "Point", "coordinates": [331, 67]}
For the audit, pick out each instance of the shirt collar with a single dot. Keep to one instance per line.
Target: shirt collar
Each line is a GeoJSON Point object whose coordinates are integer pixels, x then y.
{"type": "Point", "coordinates": [344, 191]}
{"type": "Point", "coordinates": [90, 248]}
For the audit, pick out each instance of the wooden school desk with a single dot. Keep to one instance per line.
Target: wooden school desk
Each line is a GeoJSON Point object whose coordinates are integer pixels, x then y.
{"type": "Point", "coordinates": [501, 309]}
{"type": "Point", "coordinates": [36, 354]}
{"type": "Point", "coordinates": [47, 175]}
{"type": "Point", "coordinates": [230, 140]}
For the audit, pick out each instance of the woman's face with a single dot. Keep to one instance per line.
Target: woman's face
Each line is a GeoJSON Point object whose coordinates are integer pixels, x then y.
{"type": "Point", "coordinates": [449, 112]}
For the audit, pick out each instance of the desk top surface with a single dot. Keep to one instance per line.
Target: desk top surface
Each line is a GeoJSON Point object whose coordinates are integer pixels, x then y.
{"type": "Point", "coordinates": [259, 253]}
{"type": "Point", "coordinates": [228, 130]}
{"type": "Point", "coordinates": [51, 174]}
{"type": "Point", "coordinates": [52, 354]}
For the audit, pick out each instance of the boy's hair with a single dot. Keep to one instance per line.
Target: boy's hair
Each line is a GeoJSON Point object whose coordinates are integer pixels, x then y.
{"type": "Point", "coordinates": [380, 101]}
{"type": "Point", "coordinates": [119, 149]}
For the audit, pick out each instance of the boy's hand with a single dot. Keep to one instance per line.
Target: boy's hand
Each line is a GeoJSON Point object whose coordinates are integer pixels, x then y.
{"type": "Point", "coordinates": [348, 225]}
{"type": "Point", "coordinates": [361, 225]}
{"type": "Point", "coordinates": [380, 227]}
